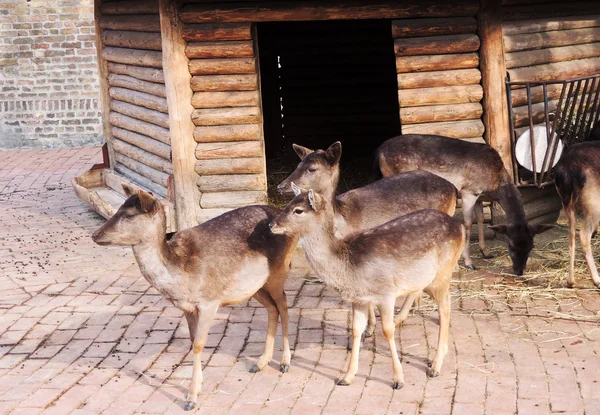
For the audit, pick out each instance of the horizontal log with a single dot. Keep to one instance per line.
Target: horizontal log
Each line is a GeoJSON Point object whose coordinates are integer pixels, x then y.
{"type": "Point", "coordinates": [437, 113]}
{"type": "Point", "coordinates": [433, 27]}
{"type": "Point", "coordinates": [133, 40]}
{"type": "Point", "coordinates": [440, 95]}
{"type": "Point", "coordinates": [547, 25]}
{"type": "Point", "coordinates": [224, 83]}
{"type": "Point", "coordinates": [556, 71]}
{"type": "Point", "coordinates": [229, 182]}
{"type": "Point", "coordinates": [225, 99]}
{"type": "Point", "coordinates": [139, 98]}
{"type": "Point", "coordinates": [137, 23]}
{"type": "Point", "coordinates": [222, 66]}
{"type": "Point", "coordinates": [148, 58]}
{"type": "Point", "coordinates": [216, 31]}
{"type": "Point", "coordinates": [204, 215]}
{"type": "Point", "coordinates": [531, 41]}
{"type": "Point", "coordinates": [269, 11]}
{"type": "Point", "coordinates": [226, 116]}
{"type": "Point", "coordinates": [129, 7]}
{"type": "Point", "coordinates": [129, 82]}
{"type": "Point", "coordinates": [519, 96]}
{"type": "Point", "coordinates": [140, 127]}
{"type": "Point", "coordinates": [543, 206]}
{"type": "Point", "coordinates": [229, 166]}
{"type": "Point", "coordinates": [521, 114]}
{"type": "Point", "coordinates": [239, 149]}
{"type": "Point", "coordinates": [225, 49]}
{"type": "Point", "coordinates": [438, 78]}
{"type": "Point", "coordinates": [141, 113]}
{"type": "Point", "coordinates": [232, 199]}
{"type": "Point", "coordinates": [142, 156]}
{"type": "Point", "coordinates": [424, 63]}
{"type": "Point", "coordinates": [551, 55]}
{"type": "Point", "coordinates": [531, 194]}
{"type": "Point", "coordinates": [144, 182]}
{"type": "Point", "coordinates": [149, 144]}
{"type": "Point", "coordinates": [553, 10]}
{"type": "Point", "coordinates": [145, 74]}
{"type": "Point", "coordinates": [223, 133]}
{"type": "Point", "coordinates": [453, 129]}
{"type": "Point", "coordinates": [433, 45]}
{"type": "Point", "coordinates": [154, 175]}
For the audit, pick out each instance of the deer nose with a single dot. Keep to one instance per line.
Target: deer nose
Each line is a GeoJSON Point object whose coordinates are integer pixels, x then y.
{"type": "Point", "coordinates": [271, 225]}
{"type": "Point", "coordinates": [281, 187]}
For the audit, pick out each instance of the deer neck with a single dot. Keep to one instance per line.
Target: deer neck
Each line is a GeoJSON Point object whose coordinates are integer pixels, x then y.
{"type": "Point", "coordinates": [509, 198]}
{"type": "Point", "coordinates": [330, 193]}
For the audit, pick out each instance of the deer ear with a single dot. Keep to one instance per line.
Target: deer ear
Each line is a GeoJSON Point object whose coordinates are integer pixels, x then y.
{"type": "Point", "coordinates": [499, 229]}
{"type": "Point", "coordinates": [334, 153]}
{"type": "Point", "coordinates": [301, 151]}
{"type": "Point", "coordinates": [296, 189]}
{"type": "Point", "coordinates": [147, 202]}
{"type": "Point", "coordinates": [129, 191]}
{"type": "Point", "coordinates": [315, 200]}
{"type": "Point", "coordinates": [542, 227]}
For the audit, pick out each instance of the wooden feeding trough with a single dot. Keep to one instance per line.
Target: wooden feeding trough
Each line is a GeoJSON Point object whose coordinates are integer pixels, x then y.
{"type": "Point", "coordinates": [197, 95]}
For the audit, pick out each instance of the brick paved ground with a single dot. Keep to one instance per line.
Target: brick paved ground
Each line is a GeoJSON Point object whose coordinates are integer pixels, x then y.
{"type": "Point", "coordinates": [81, 331]}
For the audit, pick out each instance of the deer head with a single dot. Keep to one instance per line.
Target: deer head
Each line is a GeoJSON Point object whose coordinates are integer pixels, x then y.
{"type": "Point", "coordinates": [318, 170]}
{"type": "Point", "coordinates": [300, 214]}
{"type": "Point", "coordinates": [139, 218]}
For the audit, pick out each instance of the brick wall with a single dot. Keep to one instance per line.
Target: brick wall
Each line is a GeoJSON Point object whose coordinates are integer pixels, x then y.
{"type": "Point", "coordinates": [49, 93]}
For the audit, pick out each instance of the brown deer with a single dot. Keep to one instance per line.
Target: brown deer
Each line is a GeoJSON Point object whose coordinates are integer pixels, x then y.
{"type": "Point", "coordinates": [475, 169]}
{"type": "Point", "coordinates": [413, 253]}
{"type": "Point", "coordinates": [371, 205]}
{"type": "Point", "coordinates": [223, 261]}
{"type": "Point", "coordinates": [577, 179]}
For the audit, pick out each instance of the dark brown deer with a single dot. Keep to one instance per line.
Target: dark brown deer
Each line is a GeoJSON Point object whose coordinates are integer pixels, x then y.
{"type": "Point", "coordinates": [476, 170]}
{"type": "Point", "coordinates": [577, 179]}
{"type": "Point", "coordinates": [223, 261]}
{"type": "Point", "coordinates": [371, 205]}
{"type": "Point", "coordinates": [413, 253]}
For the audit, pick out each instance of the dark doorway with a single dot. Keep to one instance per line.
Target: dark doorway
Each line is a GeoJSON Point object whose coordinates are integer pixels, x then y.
{"type": "Point", "coordinates": [327, 81]}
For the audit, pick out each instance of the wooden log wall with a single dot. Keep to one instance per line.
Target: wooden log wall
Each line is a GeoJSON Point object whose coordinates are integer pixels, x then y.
{"type": "Point", "coordinates": [140, 140]}
{"type": "Point", "coordinates": [438, 76]}
{"type": "Point", "coordinates": [230, 154]}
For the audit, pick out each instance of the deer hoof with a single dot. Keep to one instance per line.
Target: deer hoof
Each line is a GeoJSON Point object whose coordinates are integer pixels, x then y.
{"type": "Point", "coordinates": [189, 405]}
{"type": "Point", "coordinates": [397, 385]}
{"type": "Point", "coordinates": [432, 373]}
{"type": "Point", "coordinates": [254, 369]}
{"type": "Point", "coordinates": [471, 267]}
{"type": "Point", "coordinates": [283, 368]}
{"type": "Point", "coordinates": [343, 382]}
{"type": "Point", "coordinates": [486, 254]}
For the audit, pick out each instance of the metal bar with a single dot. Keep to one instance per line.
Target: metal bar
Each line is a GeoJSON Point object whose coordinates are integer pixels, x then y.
{"type": "Point", "coordinates": [593, 101]}
{"type": "Point", "coordinates": [584, 114]}
{"type": "Point", "coordinates": [558, 125]}
{"type": "Point", "coordinates": [553, 134]}
{"type": "Point", "coordinates": [548, 137]}
{"type": "Point", "coordinates": [531, 137]}
{"type": "Point", "coordinates": [579, 114]}
{"type": "Point", "coordinates": [512, 133]}
{"type": "Point", "coordinates": [567, 125]}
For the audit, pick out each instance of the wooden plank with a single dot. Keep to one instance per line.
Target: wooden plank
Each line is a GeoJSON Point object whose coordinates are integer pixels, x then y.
{"type": "Point", "coordinates": [267, 11]}
{"type": "Point", "coordinates": [143, 156]}
{"type": "Point", "coordinates": [213, 50]}
{"type": "Point", "coordinates": [146, 74]}
{"type": "Point", "coordinates": [142, 169]}
{"type": "Point", "coordinates": [224, 83]}
{"type": "Point", "coordinates": [453, 129]}
{"type": "Point", "coordinates": [436, 113]}
{"type": "Point", "coordinates": [551, 55]}
{"type": "Point", "coordinates": [230, 182]}
{"type": "Point", "coordinates": [531, 41]}
{"type": "Point", "coordinates": [129, 82]}
{"type": "Point", "coordinates": [405, 64]}
{"type": "Point", "coordinates": [229, 166]}
{"type": "Point", "coordinates": [239, 149]}
{"type": "Point", "coordinates": [434, 45]}
{"type": "Point", "coordinates": [433, 27]}
{"type": "Point", "coordinates": [521, 114]}
{"type": "Point", "coordinates": [129, 7]}
{"type": "Point", "coordinates": [556, 71]}
{"type": "Point", "coordinates": [133, 40]}
{"type": "Point", "coordinates": [493, 74]}
{"type": "Point", "coordinates": [440, 95]}
{"type": "Point", "coordinates": [208, 214]}
{"type": "Point", "coordinates": [554, 10]}
{"type": "Point", "coordinates": [141, 113]}
{"type": "Point", "coordinates": [179, 96]}
{"type": "Point", "coordinates": [137, 23]}
{"type": "Point", "coordinates": [225, 99]}
{"type": "Point", "coordinates": [519, 96]}
{"type": "Point", "coordinates": [141, 127]}
{"type": "Point", "coordinates": [140, 98]}
{"type": "Point", "coordinates": [232, 199]}
{"type": "Point", "coordinates": [547, 25]}
{"type": "Point", "coordinates": [222, 66]}
{"type": "Point", "coordinates": [149, 144]}
{"type": "Point", "coordinates": [211, 32]}
{"type": "Point", "coordinates": [226, 116]}
{"type": "Point", "coordinates": [148, 58]}
{"type": "Point", "coordinates": [438, 78]}
{"type": "Point", "coordinates": [223, 133]}
{"type": "Point", "coordinates": [142, 181]}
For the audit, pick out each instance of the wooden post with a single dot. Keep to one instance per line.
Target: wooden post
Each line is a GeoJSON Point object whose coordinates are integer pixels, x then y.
{"type": "Point", "coordinates": [493, 74]}
{"type": "Point", "coordinates": [104, 87]}
{"type": "Point", "coordinates": [179, 98]}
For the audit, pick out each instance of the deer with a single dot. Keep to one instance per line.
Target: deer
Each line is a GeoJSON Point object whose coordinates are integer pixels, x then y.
{"type": "Point", "coordinates": [577, 180]}
{"type": "Point", "coordinates": [371, 205]}
{"type": "Point", "coordinates": [476, 170]}
{"type": "Point", "coordinates": [403, 257]}
{"type": "Point", "coordinates": [223, 261]}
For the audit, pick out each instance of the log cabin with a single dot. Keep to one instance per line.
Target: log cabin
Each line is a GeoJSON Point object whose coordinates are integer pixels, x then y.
{"type": "Point", "coordinates": [199, 95]}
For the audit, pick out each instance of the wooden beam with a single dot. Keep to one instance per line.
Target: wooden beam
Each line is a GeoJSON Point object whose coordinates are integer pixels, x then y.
{"type": "Point", "coordinates": [551, 55]}
{"type": "Point", "coordinates": [453, 129]}
{"type": "Point", "coordinates": [406, 64]}
{"type": "Point", "coordinates": [557, 71]}
{"type": "Point", "coordinates": [556, 38]}
{"type": "Point", "coordinates": [129, 7]}
{"type": "Point", "coordinates": [129, 82]}
{"type": "Point", "coordinates": [211, 32]}
{"type": "Point", "coordinates": [225, 99]}
{"type": "Point", "coordinates": [547, 25]}
{"type": "Point", "coordinates": [493, 74]}
{"type": "Point", "coordinates": [137, 57]}
{"type": "Point", "coordinates": [436, 44]}
{"type": "Point", "coordinates": [436, 113]}
{"type": "Point", "coordinates": [438, 78]}
{"type": "Point", "coordinates": [179, 98]}
{"type": "Point", "coordinates": [440, 95]}
{"type": "Point", "coordinates": [133, 40]}
{"type": "Point", "coordinates": [138, 23]}
{"type": "Point", "coordinates": [433, 27]}
{"type": "Point", "coordinates": [139, 72]}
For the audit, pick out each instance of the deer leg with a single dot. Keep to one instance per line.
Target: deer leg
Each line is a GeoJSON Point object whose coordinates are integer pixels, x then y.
{"type": "Point", "coordinates": [281, 302]}
{"type": "Point", "coordinates": [478, 213]}
{"type": "Point", "coordinates": [360, 315]}
{"type": "Point", "coordinates": [265, 299]}
{"type": "Point", "coordinates": [468, 203]}
{"type": "Point", "coordinates": [442, 297]}
{"type": "Point", "coordinates": [585, 237]}
{"type": "Point", "coordinates": [570, 211]}
{"type": "Point", "coordinates": [386, 310]}
{"type": "Point", "coordinates": [192, 320]}
{"type": "Point", "coordinates": [372, 321]}
{"type": "Point", "coordinates": [408, 302]}
{"type": "Point", "coordinates": [206, 316]}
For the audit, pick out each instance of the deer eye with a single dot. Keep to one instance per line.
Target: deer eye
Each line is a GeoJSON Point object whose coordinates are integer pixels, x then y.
{"type": "Point", "coordinates": [298, 211]}
{"type": "Point", "coordinates": [312, 169]}
{"type": "Point", "coordinates": [129, 215]}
